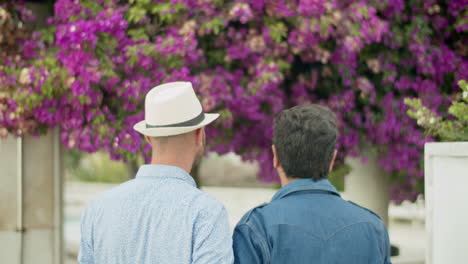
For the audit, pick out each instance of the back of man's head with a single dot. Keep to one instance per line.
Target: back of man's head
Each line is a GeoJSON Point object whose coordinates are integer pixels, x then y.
{"type": "Point", "coordinates": [305, 138]}
{"type": "Point", "coordinates": [172, 144]}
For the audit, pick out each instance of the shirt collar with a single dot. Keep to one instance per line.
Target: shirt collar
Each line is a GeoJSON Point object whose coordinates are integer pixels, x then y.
{"type": "Point", "coordinates": [164, 172]}
{"type": "Point", "coordinates": [300, 185]}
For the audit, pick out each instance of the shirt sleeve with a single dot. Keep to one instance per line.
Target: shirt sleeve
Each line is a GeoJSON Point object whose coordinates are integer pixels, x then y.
{"type": "Point", "coordinates": [86, 255]}
{"type": "Point", "coordinates": [387, 248]}
{"type": "Point", "coordinates": [212, 239]}
{"type": "Point", "coordinates": [249, 246]}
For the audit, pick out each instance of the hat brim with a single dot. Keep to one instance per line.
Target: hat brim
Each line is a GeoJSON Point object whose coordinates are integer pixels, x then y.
{"type": "Point", "coordinates": [172, 131]}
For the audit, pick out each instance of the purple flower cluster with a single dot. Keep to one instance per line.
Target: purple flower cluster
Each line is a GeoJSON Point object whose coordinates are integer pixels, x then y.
{"type": "Point", "coordinates": [248, 60]}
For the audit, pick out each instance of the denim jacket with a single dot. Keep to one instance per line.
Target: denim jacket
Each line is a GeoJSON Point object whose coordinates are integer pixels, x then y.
{"type": "Point", "coordinates": [309, 222]}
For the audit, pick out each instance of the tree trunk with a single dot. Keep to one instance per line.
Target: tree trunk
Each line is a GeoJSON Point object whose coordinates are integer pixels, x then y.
{"type": "Point", "coordinates": [368, 185]}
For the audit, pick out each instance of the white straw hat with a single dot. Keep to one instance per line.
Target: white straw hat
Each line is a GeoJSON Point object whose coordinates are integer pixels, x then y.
{"type": "Point", "coordinates": [172, 109]}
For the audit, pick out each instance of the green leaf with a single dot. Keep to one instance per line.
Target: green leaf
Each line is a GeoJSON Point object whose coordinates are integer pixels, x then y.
{"type": "Point", "coordinates": [325, 23]}
{"type": "Point", "coordinates": [174, 62]}
{"type": "Point", "coordinates": [216, 56]}
{"type": "Point", "coordinates": [148, 49]}
{"type": "Point", "coordinates": [355, 30]}
{"type": "Point", "coordinates": [284, 66]}
{"type": "Point", "coordinates": [446, 129]}
{"type": "Point", "coordinates": [218, 2]}
{"type": "Point", "coordinates": [163, 10]}
{"type": "Point", "coordinates": [168, 42]}
{"type": "Point", "coordinates": [216, 25]}
{"type": "Point", "coordinates": [278, 31]}
{"type": "Point", "coordinates": [143, 2]}
{"type": "Point", "coordinates": [48, 34]}
{"type": "Point", "coordinates": [138, 34]}
{"type": "Point", "coordinates": [364, 10]}
{"type": "Point", "coordinates": [135, 14]}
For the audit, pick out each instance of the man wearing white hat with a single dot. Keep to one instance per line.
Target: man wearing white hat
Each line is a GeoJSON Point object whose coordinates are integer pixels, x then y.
{"type": "Point", "coordinates": [160, 216]}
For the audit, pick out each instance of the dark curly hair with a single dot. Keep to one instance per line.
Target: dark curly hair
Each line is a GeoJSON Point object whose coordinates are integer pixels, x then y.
{"type": "Point", "coordinates": [305, 138]}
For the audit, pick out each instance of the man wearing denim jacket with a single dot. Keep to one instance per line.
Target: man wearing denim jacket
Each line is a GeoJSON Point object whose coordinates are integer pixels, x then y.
{"type": "Point", "coordinates": [307, 221]}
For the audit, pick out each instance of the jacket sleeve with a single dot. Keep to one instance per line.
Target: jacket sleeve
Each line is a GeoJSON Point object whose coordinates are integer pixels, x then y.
{"type": "Point", "coordinates": [212, 242]}
{"type": "Point", "coordinates": [249, 246]}
{"type": "Point", "coordinates": [387, 248]}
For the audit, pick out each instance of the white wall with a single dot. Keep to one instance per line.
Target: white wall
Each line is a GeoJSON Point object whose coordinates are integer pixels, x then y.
{"type": "Point", "coordinates": [446, 194]}
{"type": "Point", "coordinates": [31, 199]}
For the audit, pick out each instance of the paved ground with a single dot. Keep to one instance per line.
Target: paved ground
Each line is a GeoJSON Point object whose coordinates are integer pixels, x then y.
{"type": "Point", "coordinates": [406, 229]}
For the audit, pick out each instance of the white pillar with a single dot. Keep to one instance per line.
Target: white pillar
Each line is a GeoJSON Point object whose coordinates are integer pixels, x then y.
{"type": "Point", "coordinates": [446, 196]}
{"type": "Point", "coordinates": [368, 185]}
{"type": "Point", "coordinates": [31, 200]}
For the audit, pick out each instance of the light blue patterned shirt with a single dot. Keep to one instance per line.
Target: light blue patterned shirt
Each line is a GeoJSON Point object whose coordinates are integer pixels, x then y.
{"type": "Point", "coordinates": [159, 217]}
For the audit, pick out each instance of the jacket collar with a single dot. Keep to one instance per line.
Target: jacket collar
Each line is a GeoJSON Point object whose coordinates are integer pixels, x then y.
{"type": "Point", "coordinates": [306, 185]}
{"type": "Point", "coordinates": [164, 172]}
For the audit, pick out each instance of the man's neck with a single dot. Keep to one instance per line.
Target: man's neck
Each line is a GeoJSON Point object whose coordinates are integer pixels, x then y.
{"type": "Point", "coordinates": [180, 161]}
{"type": "Point", "coordinates": [286, 180]}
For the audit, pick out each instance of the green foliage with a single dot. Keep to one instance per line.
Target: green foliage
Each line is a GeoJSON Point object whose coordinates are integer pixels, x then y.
{"type": "Point", "coordinates": [136, 13]}
{"type": "Point", "coordinates": [216, 25]}
{"type": "Point", "coordinates": [93, 6]}
{"type": "Point", "coordinates": [216, 57]}
{"type": "Point", "coordinates": [72, 159]}
{"type": "Point", "coordinates": [48, 34]}
{"type": "Point", "coordinates": [138, 34]}
{"type": "Point", "coordinates": [165, 11]}
{"type": "Point", "coordinates": [283, 65]}
{"type": "Point", "coordinates": [463, 20]}
{"type": "Point", "coordinates": [94, 168]}
{"type": "Point", "coordinates": [447, 128]}
{"type": "Point", "coordinates": [49, 87]}
{"type": "Point", "coordinates": [337, 176]}
{"type": "Point", "coordinates": [172, 62]}
{"type": "Point", "coordinates": [278, 31]}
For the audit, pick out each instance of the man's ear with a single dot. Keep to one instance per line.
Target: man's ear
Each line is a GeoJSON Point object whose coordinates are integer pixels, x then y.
{"type": "Point", "coordinates": [276, 163]}
{"type": "Point", "coordinates": [333, 160]}
{"type": "Point", "coordinates": [199, 134]}
{"type": "Point", "coordinates": [148, 139]}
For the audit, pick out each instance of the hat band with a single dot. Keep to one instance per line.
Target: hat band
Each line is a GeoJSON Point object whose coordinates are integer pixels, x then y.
{"type": "Point", "coordinates": [192, 122]}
